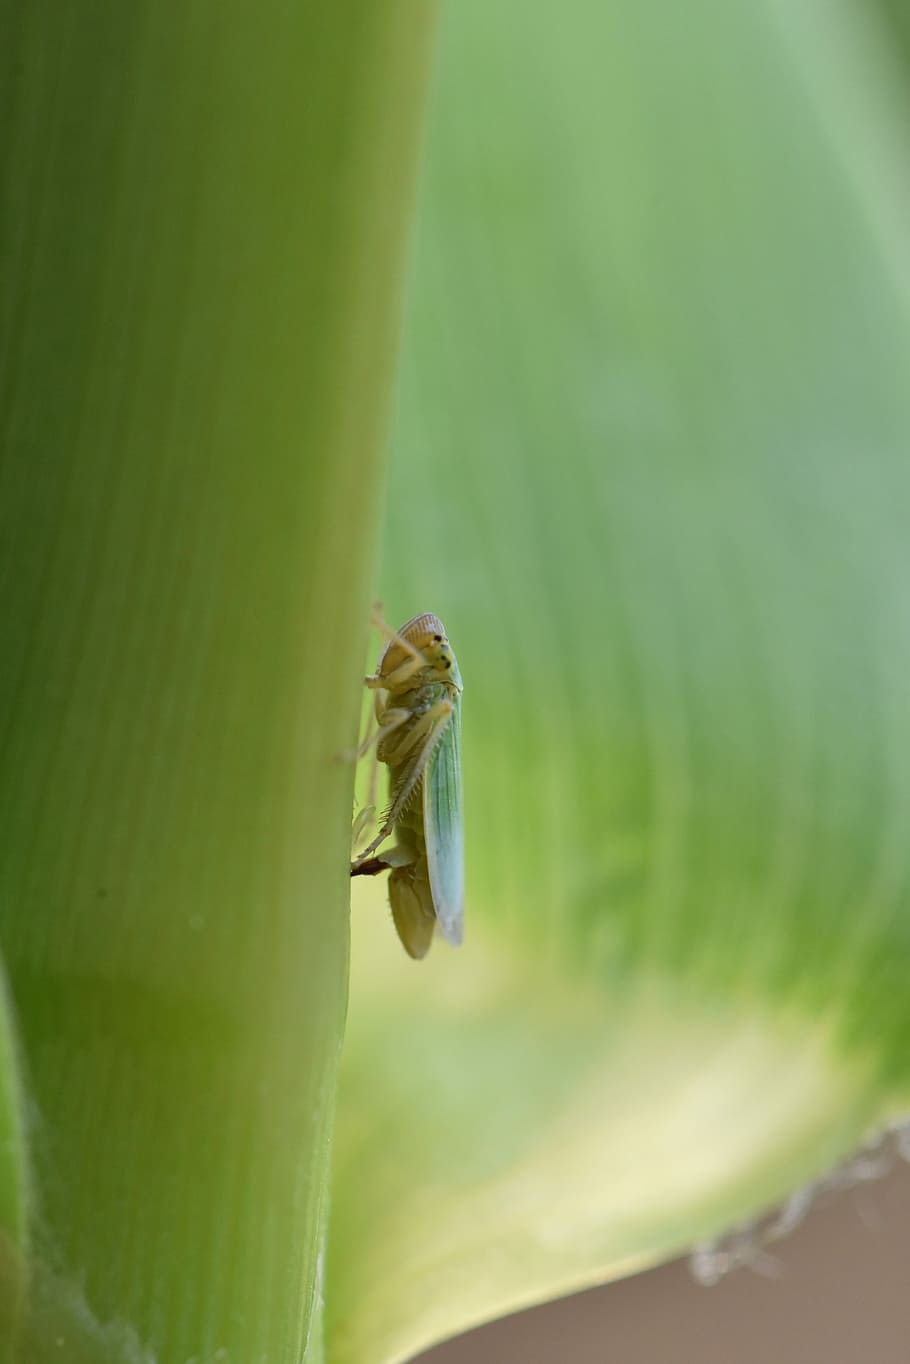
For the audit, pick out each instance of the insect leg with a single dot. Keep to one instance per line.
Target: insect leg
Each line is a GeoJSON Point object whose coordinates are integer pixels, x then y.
{"type": "Point", "coordinates": [428, 727]}
{"type": "Point", "coordinates": [390, 721]}
{"type": "Point", "coordinates": [394, 858]}
{"type": "Point", "coordinates": [363, 817]}
{"type": "Point", "coordinates": [371, 867]}
{"type": "Point", "coordinates": [388, 718]}
{"type": "Point", "coordinates": [432, 722]}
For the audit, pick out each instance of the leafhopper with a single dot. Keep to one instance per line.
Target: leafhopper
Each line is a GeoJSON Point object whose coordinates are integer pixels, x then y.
{"type": "Point", "coordinates": [418, 711]}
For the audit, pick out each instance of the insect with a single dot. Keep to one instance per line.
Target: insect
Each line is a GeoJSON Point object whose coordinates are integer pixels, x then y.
{"type": "Point", "coordinates": [418, 710]}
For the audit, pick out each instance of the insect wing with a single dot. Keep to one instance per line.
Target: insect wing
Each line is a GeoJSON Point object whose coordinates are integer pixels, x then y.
{"type": "Point", "coordinates": [412, 911]}
{"type": "Point", "coordinates": [443, 828]}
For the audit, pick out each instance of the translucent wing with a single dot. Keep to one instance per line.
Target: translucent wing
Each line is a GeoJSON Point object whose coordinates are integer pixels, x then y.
{"type": "Point", "coordinates": [442, 814]}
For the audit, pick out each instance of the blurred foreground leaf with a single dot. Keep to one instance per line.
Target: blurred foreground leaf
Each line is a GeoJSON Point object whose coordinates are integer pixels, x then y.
{"type": "Point", "coordinates": [652, 470]}
{"type": "Point", "coordinates": [204, 213]}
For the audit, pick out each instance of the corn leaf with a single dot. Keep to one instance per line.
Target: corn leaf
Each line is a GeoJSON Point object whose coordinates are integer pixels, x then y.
{"type": "Point", "coordinates": [651, 468]}
{"type": "Point", "coordinates": [205, 209]}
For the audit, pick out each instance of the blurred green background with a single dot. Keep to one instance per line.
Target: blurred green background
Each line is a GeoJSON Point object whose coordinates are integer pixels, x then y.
{"type": "Point", "coordinates": [651, 468]}
{"type": "Point", "coordinates": [649, 464]}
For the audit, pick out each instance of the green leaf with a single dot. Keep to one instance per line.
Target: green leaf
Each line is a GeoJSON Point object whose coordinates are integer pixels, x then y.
{"type": "Point", "coordinates": [14, 1184]}
{"type": "Point", "coordinates": [651, 468]}
{"type": "Point", "coordinates": [201, 252]}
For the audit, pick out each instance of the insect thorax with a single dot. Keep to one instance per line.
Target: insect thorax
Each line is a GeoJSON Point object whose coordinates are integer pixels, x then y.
{"type": "Point", "coordinates": [418, 702]}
